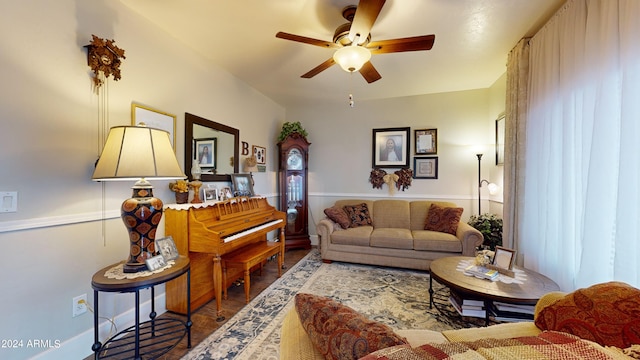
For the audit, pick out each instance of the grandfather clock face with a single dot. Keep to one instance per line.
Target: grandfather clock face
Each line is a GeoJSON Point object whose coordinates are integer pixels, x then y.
{"type": "Point", "coordinates": [294, 160]}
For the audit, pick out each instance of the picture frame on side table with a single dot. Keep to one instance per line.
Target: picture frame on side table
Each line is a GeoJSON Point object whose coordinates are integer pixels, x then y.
{"type": "Point", "coordinates": [155, 263]}
{"type": "Point", "coordinates": [154, 118]}
{"type": "Point", "coordinates": [167, 248]}
{"type": "Point", "coordinates": [425, 167]}
{"type": "Point", "coordinates": [242, 185]}
{"type": "Point", "coordinates": [426, 141]}
{"type": "Point", "coordinates": [390, 148]}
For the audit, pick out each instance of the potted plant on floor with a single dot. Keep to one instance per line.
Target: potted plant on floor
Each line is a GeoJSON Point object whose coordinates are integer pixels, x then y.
{"type": "Point", "coordinates": [490, 225]}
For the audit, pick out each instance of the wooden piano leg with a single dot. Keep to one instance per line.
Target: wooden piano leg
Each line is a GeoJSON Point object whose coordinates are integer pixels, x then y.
{"type": "Point", "coordinates": [217, 285]}
{"type": "Point", "coordinates": [224, 281]}
{"type": "Point", "coordinates": [247, 284]}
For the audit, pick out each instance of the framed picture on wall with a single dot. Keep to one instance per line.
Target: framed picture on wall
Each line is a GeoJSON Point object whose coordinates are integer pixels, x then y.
{"type": "Point", "coordinates": [205, 151]}
{"type": "Point", "coordinates": [260, 153]}
{"type": "Point", "coordinates": [426, 141]}
{"type": "Point", "coordinates": [425, 167]}
{"type": "Point", "coordinates": [390, 147]}
{"type": "Point", "coordinates": [156, 119]}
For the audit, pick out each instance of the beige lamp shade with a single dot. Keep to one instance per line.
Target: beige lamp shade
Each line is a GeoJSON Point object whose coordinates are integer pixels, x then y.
{"type": "Point", "coordinates": [134, 152]}
{"type": "Point", "coordinates": [250, 164]}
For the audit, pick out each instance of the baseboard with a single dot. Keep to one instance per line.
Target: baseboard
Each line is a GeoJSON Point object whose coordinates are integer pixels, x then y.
{"type": "Point", "coordinates": [79, 347]}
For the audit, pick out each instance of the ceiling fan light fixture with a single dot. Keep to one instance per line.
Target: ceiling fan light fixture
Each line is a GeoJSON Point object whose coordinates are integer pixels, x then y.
{"type": "Point", "coordinates": [352, 58]}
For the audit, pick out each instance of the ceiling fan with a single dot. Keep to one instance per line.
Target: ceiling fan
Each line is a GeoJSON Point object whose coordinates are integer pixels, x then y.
{"type": "Point", "coordinates": [353, 44]}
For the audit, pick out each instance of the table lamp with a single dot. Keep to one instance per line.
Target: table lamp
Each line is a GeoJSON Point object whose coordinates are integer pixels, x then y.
{"type": "Point", "coordinates": [251, 166]}
{"type": "Point", "coordinates": [138, 153]}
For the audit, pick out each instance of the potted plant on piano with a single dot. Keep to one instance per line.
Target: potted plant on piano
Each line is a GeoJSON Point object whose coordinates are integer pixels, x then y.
{"type": "Point", "coordinates": [181, 188]}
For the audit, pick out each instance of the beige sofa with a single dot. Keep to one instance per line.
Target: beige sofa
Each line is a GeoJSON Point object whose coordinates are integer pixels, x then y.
{"type": "Point", "coordinates": [396, 237]}
{"type": "Point", "coordinates": [296, 344]}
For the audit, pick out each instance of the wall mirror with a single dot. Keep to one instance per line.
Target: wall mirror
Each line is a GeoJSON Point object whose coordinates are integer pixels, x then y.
{"type": "Point", "coordinates": [215, 144]}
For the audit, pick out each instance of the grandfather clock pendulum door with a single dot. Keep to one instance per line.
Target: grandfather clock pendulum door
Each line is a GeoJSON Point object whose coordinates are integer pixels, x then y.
{"type": "Point", "coordinates": [293, 189]}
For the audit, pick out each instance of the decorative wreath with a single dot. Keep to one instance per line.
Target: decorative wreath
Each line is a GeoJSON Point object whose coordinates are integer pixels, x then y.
{"type": "Point", "coordinates": [404, 178]}
{"type": "Point", "coordinates": [377, 178]}
{"type": "Point", "coordinates": [400, 179]}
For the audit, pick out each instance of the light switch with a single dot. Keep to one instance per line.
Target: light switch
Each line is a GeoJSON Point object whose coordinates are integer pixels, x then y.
{"type": "Point", "coordinates": [9, 201]}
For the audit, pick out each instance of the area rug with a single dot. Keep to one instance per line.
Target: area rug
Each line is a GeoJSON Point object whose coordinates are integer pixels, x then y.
{"type": "Point", "coordinates": [396, 297]}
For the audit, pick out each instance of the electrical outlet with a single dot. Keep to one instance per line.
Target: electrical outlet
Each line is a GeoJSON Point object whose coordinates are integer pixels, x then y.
{"type": "Point", "coordinates": [79, 305]}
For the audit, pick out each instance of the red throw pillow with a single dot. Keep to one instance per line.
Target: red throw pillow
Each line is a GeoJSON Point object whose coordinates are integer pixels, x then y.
{"type": "Point", "coordinates": [338, 216]}
{"type": "Point", "coordinates": [443, 219]}
{"type": "Point", "coordinates": [340, 332]}
{"type": "Point", "coordinates": [358, 214]}
{"type": "Point", "coordinates": [607, 313]}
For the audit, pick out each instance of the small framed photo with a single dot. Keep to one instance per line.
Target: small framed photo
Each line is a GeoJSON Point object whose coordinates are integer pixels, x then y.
{"type": "Point", "coordinates": [209, 194]}
{"type": "Point", "coordinates": [426, 141]}
{"type": "Point", "coordinates": [225, 193]}
{"type": "Point", "coordinates": [425, 167]}
{"type": "Point", "coordinates": [205, 152]}
{"type": "Point", "coordinates": [260, 154]}
{"type": "Point", "coordinates": [504, 258]}
{"type": "Point", "coordinates": [390, 148]}
{"type": "Point", "coordinates": [242, 185]}
{"type": "Point", "coordinates": [155, 263]}
{"type": "Point", "coordinates": [167, 248]}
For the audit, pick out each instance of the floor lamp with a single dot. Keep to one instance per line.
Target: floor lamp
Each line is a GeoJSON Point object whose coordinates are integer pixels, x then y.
{"type": "Point", "coordinates": [493, 188]}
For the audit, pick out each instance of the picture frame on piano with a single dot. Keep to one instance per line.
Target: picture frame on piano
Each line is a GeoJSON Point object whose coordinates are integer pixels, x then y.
{"type": "Point", "coordinates": [209, 194]}
{"type": "Point", "coordinates": [242, 185]}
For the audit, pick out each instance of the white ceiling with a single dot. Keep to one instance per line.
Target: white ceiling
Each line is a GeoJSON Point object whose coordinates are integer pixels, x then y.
{"type": "Point", "coordinates": [473, 38]}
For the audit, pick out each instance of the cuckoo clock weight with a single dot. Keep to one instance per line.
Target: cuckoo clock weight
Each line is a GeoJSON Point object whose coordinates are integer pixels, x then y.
{"type": "Point", "coordinates": [293, 182]}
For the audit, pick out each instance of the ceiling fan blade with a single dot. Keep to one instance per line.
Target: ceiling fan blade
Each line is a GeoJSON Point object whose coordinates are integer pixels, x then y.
{"type": "Point", "coordinates": [415, 43]}
{"type": "Point", "coordinates": [318, 69]}
{"type": "Point", "coordinates": [307, 40]}
{"type": "Point", "coordinates": [369, 72]}
{"type": "Point", "coordinates": [366, 14]}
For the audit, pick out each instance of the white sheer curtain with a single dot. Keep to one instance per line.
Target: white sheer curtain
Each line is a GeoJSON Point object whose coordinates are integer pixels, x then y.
{"type": "Point", "coordinates": [581, 222]}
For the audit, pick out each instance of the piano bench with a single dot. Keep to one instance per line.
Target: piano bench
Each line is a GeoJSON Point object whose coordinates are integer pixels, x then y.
{"type": "Point", "coordinates": [248, 257]}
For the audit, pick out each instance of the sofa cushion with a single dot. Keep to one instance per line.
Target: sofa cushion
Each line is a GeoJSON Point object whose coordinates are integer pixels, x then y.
{"type": "Point", "coordinates": [340, 332]}
{"type": "Point", "coordinates": [358, 236]}
{"type": "Point", "coordinates": [546, 345]}
{"type": "Point", "coordinates": [419, 210]}
{"type": "Point", "coordinates": [607, 313]}
{"type": "Point", "coordinates": [359, 214]}
{"type": "Point", "coordinates": [394, 238]}
{"type": "Point", "coordinates": [427, 240]}
{"type": "Point", "coordinates": [443, 219]}
{"type": "Point", "coordinates": [339, 216]}
{"type": "Point", "coordinates": [391, 214]}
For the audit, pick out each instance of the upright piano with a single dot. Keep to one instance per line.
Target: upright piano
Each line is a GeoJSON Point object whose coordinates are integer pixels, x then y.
{"type": "Point", "coordinates": [205, 233]}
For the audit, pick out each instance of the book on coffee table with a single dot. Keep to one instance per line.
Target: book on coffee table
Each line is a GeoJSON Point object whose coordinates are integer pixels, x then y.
{"type": "Point", "coordinates": [481, 272]}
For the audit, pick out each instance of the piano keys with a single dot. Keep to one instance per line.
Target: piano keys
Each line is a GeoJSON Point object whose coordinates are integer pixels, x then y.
{"type": "Point", "coordinates": [207, 233]}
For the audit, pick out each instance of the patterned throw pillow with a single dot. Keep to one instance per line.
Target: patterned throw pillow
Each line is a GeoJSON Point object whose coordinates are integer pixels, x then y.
{"type": "Point", "coordinates": [607, 313]}
{"type": "Point", "coordinates": [443, 219]}
{"type": "Point", "coordinates": [358, 214]}
{"type": "Point", "coordinates": [340, 332]}
{"type": "Point", "coordinates": [339, 216]}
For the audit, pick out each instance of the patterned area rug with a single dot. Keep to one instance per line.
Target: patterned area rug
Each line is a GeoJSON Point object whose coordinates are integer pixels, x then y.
{"type": "Point", "coordinates": [396, 297]}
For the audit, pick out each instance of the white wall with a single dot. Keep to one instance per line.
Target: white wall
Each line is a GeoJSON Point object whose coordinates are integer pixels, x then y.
{"type": "Point", "coordinates": [49, 114]}
{"type": "Point", "coordinates": [340, 159]}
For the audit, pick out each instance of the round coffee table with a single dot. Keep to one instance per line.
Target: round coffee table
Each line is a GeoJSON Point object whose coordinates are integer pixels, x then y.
{"type": "Point", "coordinates": [444, 271]}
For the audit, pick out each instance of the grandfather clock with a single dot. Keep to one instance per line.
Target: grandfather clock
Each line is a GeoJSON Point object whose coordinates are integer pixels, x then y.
{"type": "Point", "coordinates": [293, 180]}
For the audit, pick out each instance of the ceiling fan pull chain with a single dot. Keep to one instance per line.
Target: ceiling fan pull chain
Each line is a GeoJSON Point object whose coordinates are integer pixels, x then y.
{"type": "Point", "coordinates": [351, 103]}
